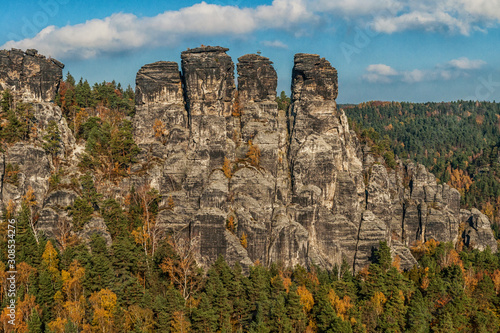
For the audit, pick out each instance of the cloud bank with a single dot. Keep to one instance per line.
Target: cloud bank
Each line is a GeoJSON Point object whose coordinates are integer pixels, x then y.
{"type": "Point", "coordinates": [124, 31]}
{"type": "Point", "coordinates": [461, 67]}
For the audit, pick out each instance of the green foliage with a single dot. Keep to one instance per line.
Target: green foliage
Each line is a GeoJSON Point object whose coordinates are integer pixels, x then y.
{"type": "Point", "coordinates": [456, 141]}
{"type": "Point", "coordinates": [283, 101]}
{"type": "Point", "coordinates": [52, 139]}
{"type": "Point", "coordinates": [81, 212]}
{"type": "Point", "coordinates": [11, 174]}
{"type": "Point", "coordinates": [17, 119]}
{"type": "Point", "coordinates": [110, 149]}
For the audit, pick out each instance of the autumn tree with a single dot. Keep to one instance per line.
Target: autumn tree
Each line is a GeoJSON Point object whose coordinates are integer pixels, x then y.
{"type": "Point", "coordinates": [104, 303]}
{"type": "Point", "coordinates": [181, 269]}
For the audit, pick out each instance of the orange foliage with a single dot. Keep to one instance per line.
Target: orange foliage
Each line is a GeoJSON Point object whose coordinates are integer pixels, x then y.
{"type": "Point", "coordinates": [236, 106]}
{"type": "Point", "coordinates": [57, 326]}
{"type": "Point", "coordinates": [182, 270]}
{"type": "Point", "coordinates": [396, 263]}
{"type": "Point", "coordinates": [378, 300]}
{"type": "Point", "coordinates": [253, 154]}
{"type": "Point", "coordinates": [341, 305]}
{"type": "Point", "coordinates": [243, 240]}
{"type": "Point", "coordinates": [459, 179]}
{"type": "Point", "coordinates": [179, 323]}
{"type": "Point", "coordinates": [428, 247]}
{"type": "Point", "coordinates": [170, 203]}
{"type": "Point", "coordinates": [104, 304]}
{"type": "Point", "coordinates": [160, 130]}
{"type": "Point", "coordinates": [306, 298]}
{"type": "Point", "coordinates": [495, 277]}
{"type": "Point", "coordinates": [230, 224]}
{"type": "Point", "coordinates": [72, 281]}
{"type": "Point", "coordinates": [425, 279]}
{"type": "Point", "coordinates": [226, 168]}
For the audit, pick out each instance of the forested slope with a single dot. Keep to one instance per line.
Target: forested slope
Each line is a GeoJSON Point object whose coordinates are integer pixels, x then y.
{"type": "Point", "coordinates": [457, 141]}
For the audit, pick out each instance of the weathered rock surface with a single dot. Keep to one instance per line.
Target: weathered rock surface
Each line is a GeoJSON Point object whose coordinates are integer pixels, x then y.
{"type": "Point", "coordinates": [230, 166]}
{"type": "Point", "coordinates": [29, 74]}
{"type": "Point", "coordinates": [315, 195]}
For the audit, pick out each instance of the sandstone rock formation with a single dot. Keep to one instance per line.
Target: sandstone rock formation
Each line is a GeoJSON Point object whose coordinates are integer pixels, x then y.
{"type": "Point", "coordinates": [30, 74]}
{"type": "Point", "coordinates": [312, 195]}
{"type": "Point", "coordinates": [229, 165]}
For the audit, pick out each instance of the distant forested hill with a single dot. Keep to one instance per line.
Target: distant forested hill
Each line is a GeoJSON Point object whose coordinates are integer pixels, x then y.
{"type": "Point", "coordinates": [457, 141]}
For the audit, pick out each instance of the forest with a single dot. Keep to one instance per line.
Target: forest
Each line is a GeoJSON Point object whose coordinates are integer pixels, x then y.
{"type": "Point", "coordinates": [133, 283]}
{"type": "Point", "coordinates": [457, 141]}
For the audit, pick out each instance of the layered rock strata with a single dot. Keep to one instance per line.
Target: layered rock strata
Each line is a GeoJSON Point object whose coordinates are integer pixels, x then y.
{"type": "Point", "coordinates": [240, 178]}
{"type": "Point", "coordinates": [29, 74]}
{"type": "Point", "coordinates": [314, 196]}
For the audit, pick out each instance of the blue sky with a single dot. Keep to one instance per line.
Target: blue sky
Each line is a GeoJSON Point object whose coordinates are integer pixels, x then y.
{"type": "Point", "coordinates": [401, 50]}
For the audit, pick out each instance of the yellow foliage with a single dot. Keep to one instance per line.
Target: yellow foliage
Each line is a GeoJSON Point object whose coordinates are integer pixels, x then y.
{"type": "Point", "coordinates": [29, 197]}
{"type": "Point", "coordinates": [396, 263]}
{"type": "Point", "coordinates": [160, 130]}
{"type": "Point", "coordinates": [226, 168]}
{"type": "Point", "coordinates": [230, 224]}
{"type": "Point", "coordinates": [306, 298]}
{"type": "Point", "coordinates": [179, 323]}
{"type": "Point", "coordinates": [50, 260]}
{"type": "Point", "coordinates": [253, 154]}
{"type": "Point", "coordinates": [11, 208]}
{"type": "Point", "coordinates": [139, 317]}
{"type": "Point", "coordinates": [57, 326]}
{"type": "Point", "coordinates": [340, 305]}
{"type": "Point", "coordinates": [72, 281]}
{"type": "Point", "coordinates": [287, 282]}
{"type": "Point", "coordinates": [425, 279]}
{"type": "Point", "coordinates": [378, 300]}
{"type": "Point", "coordinates": [105, 299]}
{"type": "Point", "coordinates": [170, 203]}
{"type": "Point", "coordinates": [104, 304]}
{"type": "Point", "coordinates": [459, 179]}
{"type": "Point", "coordinates": [243, 240]}
{"type": "Point", "coordinates": [75, 310]}
{"type": "Point", "coordinates": [236, 106]}
{"type": "Point", "coordinates": [495, 277]}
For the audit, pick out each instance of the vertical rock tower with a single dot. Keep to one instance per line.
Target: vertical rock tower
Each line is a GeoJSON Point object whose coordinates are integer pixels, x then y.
{"type": "Point", "coordinates": [295, 184]}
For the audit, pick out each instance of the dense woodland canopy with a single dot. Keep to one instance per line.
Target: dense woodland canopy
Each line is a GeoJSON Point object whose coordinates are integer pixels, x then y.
{"type": "Point", "coordinates": [457, 141]}
{"type": "Point", "coordinates": [139, 284]}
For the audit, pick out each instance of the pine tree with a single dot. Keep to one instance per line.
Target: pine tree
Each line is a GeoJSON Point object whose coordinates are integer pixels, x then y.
{"type": "Point", "coordinates": [418, 315]}
{"type": "Point", "coordinates": [278, 318]}
{"type": "Point", "coordinates": [99, 271]}
{"type": "Point", "coordinates": [204, 316]}
{"type": "Point", "coordinates": [35, 322]}
{"type": "Point", "coordinates": [218, 295]}
{"type": "Point", "coordinates": [295, 311]}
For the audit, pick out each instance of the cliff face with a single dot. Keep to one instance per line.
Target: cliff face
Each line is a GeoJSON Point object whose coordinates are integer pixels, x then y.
{"type": "Point", "coordinates": [230, 165]}
{"type": "Point", "coordinates": [296, 184]}
{"type": "Point", "coordinates": [30, 74]}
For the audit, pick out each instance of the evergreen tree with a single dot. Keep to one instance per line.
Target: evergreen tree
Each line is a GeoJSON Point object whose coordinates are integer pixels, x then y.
{"type": "Point", "coordinates": [295, 311]}
{"type": "Point", "coordinates": [35, 322]}
{"type": "Point", "coordinates": [98, 272]}
{"type": "Point", "coordinates": [204, 317]}
{"type": "Point", "coordinates": [418, 315]}
{"type": "Point", "coordinates": [279, 319]}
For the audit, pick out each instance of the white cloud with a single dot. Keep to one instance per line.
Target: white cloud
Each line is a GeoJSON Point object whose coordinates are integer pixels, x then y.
{"type": "Point", "coordinates": [275, 43]}
{"type": "Point", "coordinates": [418, 20]}
{"type": "Point", "coordinates": [356, 7]}
{"type": "Point", "coordinates": [466, 63]}
{"type": "Point", "coordinates": [416, 75]}
{"type": "Point", "coordinates": [453, 69]}
{"type": "Point", "coordinates": [453, 16]}
{"type": "Point", "coordinates": [122, 32]}
{"type": "Point", "coordinates": [379, 73]}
